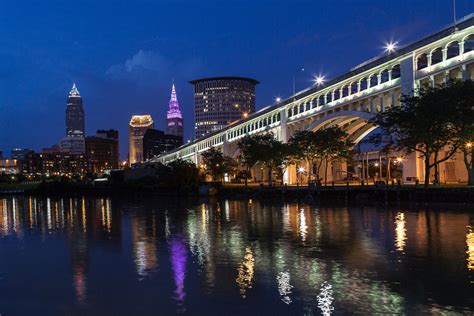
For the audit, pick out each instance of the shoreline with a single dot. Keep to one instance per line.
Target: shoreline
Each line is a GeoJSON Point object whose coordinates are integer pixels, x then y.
{"type": "Point", "coordinates": [349, 194]}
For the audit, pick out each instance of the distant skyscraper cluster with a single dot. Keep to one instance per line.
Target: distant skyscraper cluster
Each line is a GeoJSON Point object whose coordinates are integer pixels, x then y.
{"type": "Point", "coordinates": [220, 101]}
{"type": "Point", "coordinates": [145, 142]}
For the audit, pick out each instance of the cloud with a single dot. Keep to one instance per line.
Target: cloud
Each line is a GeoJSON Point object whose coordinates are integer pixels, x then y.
{"type": "Point", "coordinates": [150, 67]}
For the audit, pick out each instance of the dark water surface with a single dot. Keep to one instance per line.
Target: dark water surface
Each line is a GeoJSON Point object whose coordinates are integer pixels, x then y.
{"type": "Point", "coordinates": [164, 256]}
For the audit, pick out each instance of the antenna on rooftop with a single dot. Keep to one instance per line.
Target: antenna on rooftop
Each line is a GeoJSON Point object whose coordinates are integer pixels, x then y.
{"type": "Point", "coordinates": [454, 16]}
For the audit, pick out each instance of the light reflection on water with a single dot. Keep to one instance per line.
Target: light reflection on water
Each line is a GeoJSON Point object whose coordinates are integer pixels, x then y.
{"type": "Point", "coordinates": [108, 256]}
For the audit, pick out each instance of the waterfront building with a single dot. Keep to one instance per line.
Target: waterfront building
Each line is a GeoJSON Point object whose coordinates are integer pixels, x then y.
{"type": "Point", "coordinates": [156, 142]}
{"type": "Point", "coordinates": [103, 150]}
{"type": "Point", "coordinates": [75, 121]}
{"type": "Point", "coordinates": [138, 125]}
{"type": "Point", "coordinates": [174, 118]}
{"type": "Point", "coordinates": [350, 101]}
{"type": "Point", "coordinates": [220, 101]}
{"type": "Point", "coordinates": [20, 154]}
{"type": "Point", "coordinates": [9, 166]}
{"type": "Point", "coordinates": [55, 164]}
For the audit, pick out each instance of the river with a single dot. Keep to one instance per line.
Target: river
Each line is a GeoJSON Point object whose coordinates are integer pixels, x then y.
{"type": "Point", "coordinates": [163, 256]}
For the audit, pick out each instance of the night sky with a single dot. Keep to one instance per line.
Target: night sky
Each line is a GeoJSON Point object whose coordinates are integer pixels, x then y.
{"type": "Point", "coordinates": [123, 54]}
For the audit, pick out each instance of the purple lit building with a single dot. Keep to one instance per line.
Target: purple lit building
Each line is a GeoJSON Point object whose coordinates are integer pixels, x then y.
{"type": "Point", "coordinates": [174, 118]}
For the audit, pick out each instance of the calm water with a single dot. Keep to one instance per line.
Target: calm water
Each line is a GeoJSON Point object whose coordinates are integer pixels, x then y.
{"type": "Point", "coordinates": [156, 256]}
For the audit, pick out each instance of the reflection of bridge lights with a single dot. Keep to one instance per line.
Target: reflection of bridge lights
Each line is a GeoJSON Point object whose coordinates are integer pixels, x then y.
{"type": "Point", "coordinates": [390, 47]}
{"type": "Point", "coordinates": [325, 299]}
{"type": "Point", "coordinates": [284, 286]}
{"type": "Point", "coordinates": [319, 80]}
{"type": "Point", "coordinates": [470, 248]}
{"type": "Point", "coordinates": [245, 272]}
{"type": "Point", "coordinates": [400, 231]}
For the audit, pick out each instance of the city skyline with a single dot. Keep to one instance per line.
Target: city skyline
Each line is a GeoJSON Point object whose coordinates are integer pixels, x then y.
{"type": "Point", "coordinates": [134, 75]}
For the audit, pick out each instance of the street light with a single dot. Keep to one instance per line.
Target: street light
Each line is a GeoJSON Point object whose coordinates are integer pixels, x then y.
{"type": "Point", "coordinates": [277, 99]}
{"type": "Point", "coordinates": [294, 85]}
{"type": "Point", "coordinates": [319, 80]}
{"type": "Point", "coordinates": [390, 47]}
{"type": "Point", "coordinates": [469, 145]}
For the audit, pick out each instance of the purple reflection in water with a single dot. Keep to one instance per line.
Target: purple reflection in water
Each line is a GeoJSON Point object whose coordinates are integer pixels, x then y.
{"type": "Point", "coordinates": [178, 263]}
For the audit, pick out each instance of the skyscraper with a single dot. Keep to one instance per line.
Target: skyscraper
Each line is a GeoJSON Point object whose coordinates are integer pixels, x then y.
{"type": "Point", "coordinates": [174, 118]}
{"type": "Point", "coordinates": [220, 101]}
{"type": "Point", "coordinates": [74, 142]}
{"type": "Point", "coordinates": [74, 114]}
{"type": "Point", "coordinates": [138, 126]}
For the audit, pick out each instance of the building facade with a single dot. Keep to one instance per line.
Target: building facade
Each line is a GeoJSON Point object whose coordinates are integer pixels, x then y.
{"type": "Point", "coordinates": [73, 144]}
{"type": "Point", "coordinates": [156, 142]}
{"type": "Point", "coordinates": [55, 164]}
{"type": "Point", "coordinates": [102, 151]}
{"type": "Point", "coordinates": [20, 154]}
{"type": "Point", "coordinates": [75, 120]}
{"type": "Point", "coordinates": [174, 118]}
{"type": "Point", "coordinates": [137, 127]}
{"type": "Point", "coordinates": [220, 101]}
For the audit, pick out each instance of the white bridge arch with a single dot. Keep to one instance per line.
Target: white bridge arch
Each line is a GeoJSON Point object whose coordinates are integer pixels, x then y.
{"type": "Point", "coordinates": [351, 99]}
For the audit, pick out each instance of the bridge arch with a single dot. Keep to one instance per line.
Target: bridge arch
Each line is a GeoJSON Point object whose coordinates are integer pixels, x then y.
{"type": "Point", "coordinates": [355, 123]}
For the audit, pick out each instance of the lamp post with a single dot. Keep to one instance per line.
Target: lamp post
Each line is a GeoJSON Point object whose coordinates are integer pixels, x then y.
{"type": "Point", "coordinates": [294, 85]}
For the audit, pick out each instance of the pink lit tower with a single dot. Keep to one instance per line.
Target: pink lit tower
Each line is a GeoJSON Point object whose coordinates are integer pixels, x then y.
{"type": "Point", "coordinates": [174, 118]}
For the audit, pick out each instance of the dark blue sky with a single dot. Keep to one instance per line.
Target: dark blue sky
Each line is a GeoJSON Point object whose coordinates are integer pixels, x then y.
{"type": "Point", "coordinates": [123, 54]}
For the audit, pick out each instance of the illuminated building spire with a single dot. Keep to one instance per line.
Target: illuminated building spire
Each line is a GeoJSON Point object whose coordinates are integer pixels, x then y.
{"type": "Point", "coordinates": [174, 117]}
{"type": "Point", "coordinates": [74, 92]}
{"type": "Point", "coordinates": [173, 106]}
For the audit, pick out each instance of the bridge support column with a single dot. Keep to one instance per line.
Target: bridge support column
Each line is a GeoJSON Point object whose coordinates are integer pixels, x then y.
{"type": "Point", "coordinates": [412, 168]}
{"type": "Point", "coordinates": [283, 126]}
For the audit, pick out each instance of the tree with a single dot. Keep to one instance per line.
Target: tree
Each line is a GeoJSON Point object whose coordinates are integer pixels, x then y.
{"type": "Point", "coordinates": [460, 95]}
{"type": "Point", "coordinates": [217, 164]}
{"type": "Point", "coordinates": [249, 153]}
{"type": "Point", "coordinates": [422, 125]}
{"type": "Point", "coordinates": [266, 150]}
{"type": "Point", "coordinates": [324, 145]}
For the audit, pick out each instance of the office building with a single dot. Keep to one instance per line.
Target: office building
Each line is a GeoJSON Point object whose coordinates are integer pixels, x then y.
{"type": "Point", "coordinates": [20, 154]}
{"type": "Point", "coordinates": [55, 164]}
{"type": "Point", "coordinates": [102, 151]}
{"type": "Point", "coordinates": [139, 124]}
{"type": "Point", "coordinates": [174, 118]}
{"type": "Point", "coordinates": [220, 101]}
{"type": "Point", "coordinates": [75, 122]}
{"type": "Point", "coordinates": [73, 144]}
{"type": "Point", "coordinates": [156, 142]}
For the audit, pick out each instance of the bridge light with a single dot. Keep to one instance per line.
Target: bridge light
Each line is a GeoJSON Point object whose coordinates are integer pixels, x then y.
{"type": "Point", "coordinates": [277, 99]}
{"type": "Point", "coordinates": [245, 114]}
{"type": "Point", "coordinates": [390, 47]}
{"type": "Point", "coordinates": [319, 80]}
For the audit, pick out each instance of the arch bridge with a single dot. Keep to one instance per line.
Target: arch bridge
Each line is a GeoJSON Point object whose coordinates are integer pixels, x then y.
{"type": "Point", "coordinates": [351, 99]}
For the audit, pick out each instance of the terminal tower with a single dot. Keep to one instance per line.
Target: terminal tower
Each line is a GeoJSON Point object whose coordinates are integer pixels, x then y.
{"type": "Point", "coordinates": [174, 118]}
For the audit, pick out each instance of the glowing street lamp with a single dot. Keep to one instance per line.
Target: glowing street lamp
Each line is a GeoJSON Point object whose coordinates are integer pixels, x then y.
{"type": "Point", "coordinates": [399, 159]}
{"type": "Point", "coordinates": [245, 115]}
{"type": "Point", "coordinates": [277, 99]}
{"type": "Point", "coordinates": [469, 145]}
{"type": "Point", "coordinates": [390, 47]}
{"type": "Point", "coordinates": [319, 80]}
{"type": "Point", "coordinates": [301, 169]}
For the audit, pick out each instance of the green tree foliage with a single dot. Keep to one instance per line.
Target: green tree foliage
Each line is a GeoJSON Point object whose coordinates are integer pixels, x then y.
{"type": "Point", "coordinates": [264, 149]}
{"type": "Point", "coordinates": [217, 164]}
{"type": "Point", "coordinates": [326, 145]}
{"type": "Point", "coordinates": [459, 95]}
{"type": "Point", "coordinates": [423, 125]}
